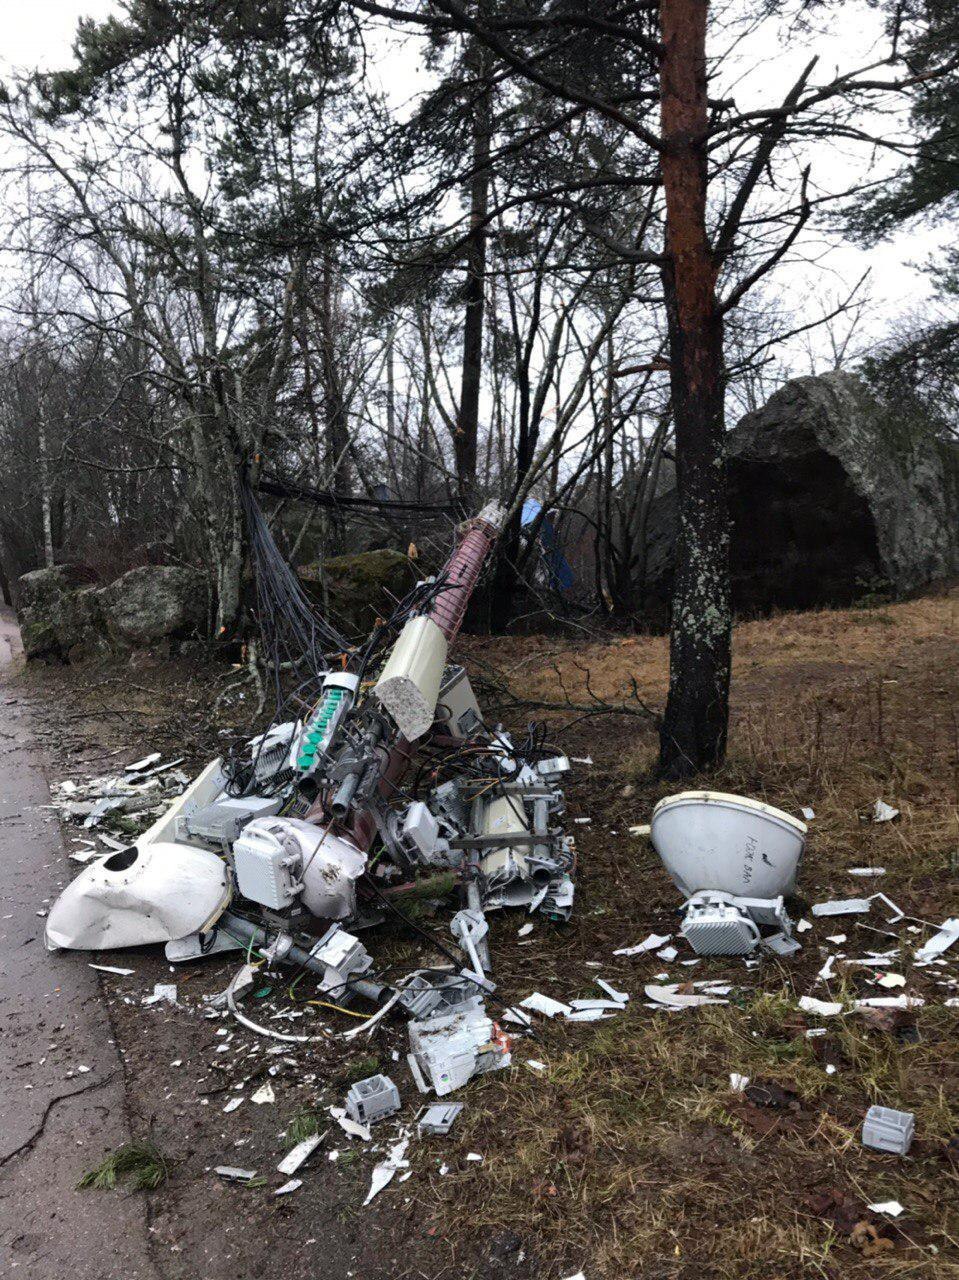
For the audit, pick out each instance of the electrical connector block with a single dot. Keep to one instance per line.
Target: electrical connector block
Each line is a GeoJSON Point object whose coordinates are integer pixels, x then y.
{"type": "Point", "coordinates": [339, 690]}
{"type": "Point", "coordinates": [448, 1050]}
{"type": "Point", "coordinates": [885, 1129]}
{"type": "Point", "coordinates": [372, 1099]}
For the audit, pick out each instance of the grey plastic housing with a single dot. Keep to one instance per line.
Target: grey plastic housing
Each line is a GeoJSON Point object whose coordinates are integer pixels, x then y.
{"type": "Point", "coordinates": [372, 1099]}
{"type": "Point", "coordinates": [885, 1129]}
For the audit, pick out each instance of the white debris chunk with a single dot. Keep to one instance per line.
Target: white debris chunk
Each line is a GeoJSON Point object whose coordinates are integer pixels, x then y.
{"type": "Point", "coordinates": [524, 931]}
{"type": "Point", "coordinates": [807, 813]}
{"type": "Point", "coordinates": [588, 1015]}
{"type": "Point", "coordinates": [534, 1064]}
{"type": "Point", "coordinates": [803, 926]}
{"type": "Point", "coordinates": [299, 1154]}
{"type": "Point", "coordinates": [287, 1187]}
{"type": "Point", "coordinates": [162, 991]}
{"type": "Point", "coordinates": [581, 759]}
{"type": "Point", "coordinates": [123, 973]}
{"type": "Point", "coordinates": [671, 997]}
{"type": "Point", "coordinates": [384, 1172]}
{"type": "Point", "coordinates": [233, 1104]}
{"type": "Point", "coordinates": [234, 1174]}
{"type": "Point", "coordinates": [475, 1157]}
{"type": "Point", "coordinates": [891, 980]}
{"type": "Point", "coordinates": [890, 1002]}
{"type": "Point", "coordinates": [841, 907]}
{"type": "Point", "coordinates": [621, 997]}
{"type": "Point", "coordinates": [882, 812]}
{"type": "Point", "coordinates": [737, 1082]}
{"type": "Point", "coordinates": [825, 973]}
{"type": "Point", "coordinates": [865, 871]}
{"type": "Point", "coordinates": [145, 763]}
{"type": "Point", "coordinates": [892, 1207]}
{"type": "Point", "coordinates": [667, 954]}
{"type": "Point", "coordinates": [263, 1095]}
{"type": "Point", "coordinates": [349, 1126]}
{"type": "Point", "coordinates": [545, 1005]}
{"type": "Point", "coordinates": [941, 941]}
{"type": "Point", "coordinates": [824, 1008]}
{"type": "Point", "coordinates": [643, 829]}
{"type": "Point", "coordinates": [650, 944]}
{"type": "Point", "coordinates": [837, 938]}
{"type": "Point", "coordinates": [591, 1003]}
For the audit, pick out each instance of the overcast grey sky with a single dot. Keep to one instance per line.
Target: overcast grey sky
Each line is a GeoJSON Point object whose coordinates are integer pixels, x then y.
{"type": "Point", "coordinates": [39, 34]}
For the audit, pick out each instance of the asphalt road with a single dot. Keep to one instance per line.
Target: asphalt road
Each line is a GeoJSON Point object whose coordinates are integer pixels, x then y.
{"type": "Point", "coordinates": [62, 1090]}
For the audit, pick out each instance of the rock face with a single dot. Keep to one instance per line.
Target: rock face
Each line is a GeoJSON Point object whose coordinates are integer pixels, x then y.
{"type": "Point", "coordinates": [155, 602]}
{"type": "Point", "coordinates": [361, 587]}
{"type": "Point", "coordinates": [830, 497]}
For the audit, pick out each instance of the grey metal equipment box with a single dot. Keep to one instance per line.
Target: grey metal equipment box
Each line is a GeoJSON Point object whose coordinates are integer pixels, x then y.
{"type": "Point", "coordinates": [222, 821]}
{"type": "Point", "coordinates": [887, 1130]}
{"type": "Point", "coordinates": [438, 1117]}
{"type": "Point", "coordinates": [371, 1099]}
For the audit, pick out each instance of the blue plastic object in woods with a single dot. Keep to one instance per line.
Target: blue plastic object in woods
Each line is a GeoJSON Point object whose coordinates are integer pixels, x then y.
{"type": "Point", "coordinates": [561, 574]}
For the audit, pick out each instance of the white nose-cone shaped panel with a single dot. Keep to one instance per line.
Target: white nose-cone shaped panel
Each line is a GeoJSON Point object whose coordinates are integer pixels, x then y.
{"type": "Point", "coordinates": [409, 684]}
{"type": "Point", "coordinates": [709, 840]}
{"type": "Point", "coordinates": [152, 893]}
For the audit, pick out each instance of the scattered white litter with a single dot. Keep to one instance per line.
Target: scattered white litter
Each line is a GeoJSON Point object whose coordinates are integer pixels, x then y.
{"type": "Point", "coordinates": [825, 1008]}
{"type": "Point", "coordinates": [165, 991]}
{"type": "Point", "coordinates": [581, 759]}
{"type": "Point", "coordinates": [841, 907]}
{"type": "Point", "coordinates": [124, 973]}
{"type": "Point", "coordinates": [667, 954]}
{"type": "Point", "coordinates": [671, 997]}
{"type": "Point", "coordinates": [144, 763]}
{"type": "Point", "coordinates": [620, 996]}
{"type": "Point", "coordinates": [897, 912]}
{"type": "Point", "coordinates": [232, 1172]}
{"type": "Point", "coordinates": [737, 1082]}
{"type": "Point", "coordinates": [865, 871]}
{"type": "Point", "coordinates": [298, 1154]}
{"type": "Point", "coordinates": [583, 822]}
{"type": "Point", "coordinates": [892, 1207]}
{"type": "Point", "coordinates": [475, 1157]}
{"type": "Point", "coordinates": [882, 812]}
{"type": "Point", "coordinates": [825, 973]}
{"type": "Point", "coordinates": [643, 829]}
{"type": "Point", "coordinates": [891, 980]}
{"type": "Point", "coordinates": [831, 1069]}
{"type": "Point", "coordinates": [524, 931]}
{"type": "Point", "coordinates": [803, 926]}
{"type": "Point", "coordinates": [588, 1015]}
{"type": "Point", "coordinates": [384, 1172]}
{"type": "Point", "coordinates": [545, 1005]}
{"type": "Point", "coordinates": [807, 813]}
{"type": "Point", "coordinates": [233, 1104]}
{"type": "Point", "coordinates": [349, 1126]}
{"type": "Point", "coordinates": [836, 938]}
{"type": "Point", "coordinates": [941, 941]}
{"type": "Point", "coordinates": [287, 1187]}
{"type": "Point", "coordinates": [580, 1275]}
{"type": "Point", "coordinates": [651, 943]}
{"type": "Point", "coordinates": [890, 1002]}
{"type": "Point", "coordinates": [534, 1064]}
{"type": "Point", "coordinates": [263, 1094]}
{"type": "Point", "coordinates": [86, 855]}
{"type": "Point", "coordinates": [591, 1003]}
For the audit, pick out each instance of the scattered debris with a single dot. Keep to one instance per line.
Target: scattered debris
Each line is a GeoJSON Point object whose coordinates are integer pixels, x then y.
{"type": "Point", "coordinates": [233, 1174]}
{"type": "Point", "coordinates": [263, 1095]}
{"type": "Point", "coordinates": [385, 1171]}
{"type": "Point", "coordinates": [842, 907]}
{"type": "Point", "coordinates": [882, 812]}
{"type": "Point", "coordinates": [163, 992]}
{"type": "Point", "coordinates": [437, 1118]}
{"type": "Point", "coordinates": [373, 1099]}
{"type": "Point", "coordinates": [824, 1008]}
{"type": "Point", "coordinates": [349, 1126]}
{"type": "Point", "coordinates": [939, 942]}
{"type": "Point", "coordinates": [865, 871]}
{"type": "Point", "coordinates": [299, 1154]}
{"type": "Point", "coordinates": [124, 973]}
{"type": "Point", "coordinates": [676, 999]}
{"type": "Point", "coordinates": [293, 1185]}
{"type": "Point", "coordinates": [545, 1005]}
{"type": "Point", "coordinates": [891, 1207]}
{"type": "Point", "coordinates": [737, 1082]}
{"type": "Point", "coordinates": [654, 941]}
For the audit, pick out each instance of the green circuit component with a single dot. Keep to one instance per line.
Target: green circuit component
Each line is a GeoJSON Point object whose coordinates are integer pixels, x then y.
{"type": "Point", "coordinates": [319, 730]}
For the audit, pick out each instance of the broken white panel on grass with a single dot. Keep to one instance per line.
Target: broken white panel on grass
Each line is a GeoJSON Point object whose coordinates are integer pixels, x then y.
{"type": "Point", "coordinates": [803, 926]}
{"type": "Point", "coordinates": [643, 829]}
{"type": "Point", "coordinates": [299, 1154]}
{"type": "Point", "coordinates": [621, 997]}
{"type": "Point", "coordinates": [667, 954]}
{"type": "Point", "coordinates": [780, 944]}
{"type": "Point", "coordinates": [650, 944]}
{"type": "Point", "coordinates": [807, 813]}
{"type": "Point", "coordinates": [826, 972]}
{"type": "Point", "coordinates": [824, 1008]}
{"type": "Point", "coordinates": [293, 1185]}
{"type": "Point", "coordinates": [524, 930]}
{"type": "Point", "coordinates": [233, 1104]}
{"type": "Point", "coordinates": [837, 938]}
{"type": "Point", "coordinates": [737, 1082]}
{"type": "Point", "coordinates": [939, 942]}
{"type": "Point", "coordinates": [591, 1003]}
{"type": "Point", "coordinates": [163, 993]}
{"type": "Point", "coordinates": [882, 812]}
{"type": "Point", "coordinates": [842, 907]}
{"type": "Point", "coordinates": [674, 999]}
{"type": "Point", "coordinates": [234, 1174]}
{"type": "Point", "coordinates": [385, 1171]}
{"type": "Point", "coordinates": [153, 758]}
{"type": "Point", "coordinates": [349, 1126]}
{"type": "Point", "coordinates": [264, 1095]}
{"type": "Point", "coordinates": [545, 1005]}
{"type": "Point", "coordinates": [897, 913]}
{"type": "Point", "coordinates": [589, 1015]}
{"type": "Point", "coordinates": [865, 871]}
{"type": "Point", "coordinates": [534, 1064]}
{"type": "Point", "coordinates": [891, 980]}
{"type": "Point", "coordinates": [890, 1002]}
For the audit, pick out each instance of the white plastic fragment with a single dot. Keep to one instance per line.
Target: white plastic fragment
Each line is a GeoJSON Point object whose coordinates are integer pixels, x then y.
{"type": "Point", "coordinates": [620, 996]}
{"type": "Point", "coordinates": [826, 972]}
{"type": "Point", "coordinates": [474, 1157]}
{"type": "Point", "coordinates": [650, 944]}
{"type": "Point", "coordinates": [807, 813]}
{"type": "Point", "coordinates": [144, 763]}
{"type": "Point", "coordinates": [667, 954]}
{"type": "Point", "coordinates": [263, 1095]}
{"type": "Point", "coordinates": [737, 1082]}
{"type": "Point", "coordinates": [524, 930]}
{"type": "Point", "coordinates": [865, 871]}
{"type": "Point", "coordinates": [825, 1008]}
{"type": "Point", "coordinates": [123, 973]}
{"type": "Point", "coordinates": [891, 1207]}
{"type": "Point", "coordinates": [287, 1187]}
{"type": "Point", "coordinates": [675, 999]}
{"type": "Point", "coordinates": [384, 1172]}
{"type": "Point", "coordinates": [891, 980]}
{"type": "Point", "coordinates": [299, 1154]}
{"type": "Point", "coordinates": [643, 829]}
{"type": "Point", "coordinates": [545, 1005]}
{"type": "Point", "coordinates": [234, 1174]}
{"type": "Point", "coordinates": [162, 991]}
{"type": "Point", "coordinates": [349, 1126]}
{"type": "Point", "coordinates": [890, 1002]}
{"type": "Point", "coordinates": [534, 1064]}
{"type": "Point", "coordinates": [941, 941]}
{"type": "Point", "coordinates": [882, 812]}
{"type": "Point", "coordinates": [588, 1015]}
{"type": "Point", "coordinates": [841, 907]}
{"type": "Point", "coordinates": [233, 1104]}
{"type": "Point", "coordinates": [837, 938]}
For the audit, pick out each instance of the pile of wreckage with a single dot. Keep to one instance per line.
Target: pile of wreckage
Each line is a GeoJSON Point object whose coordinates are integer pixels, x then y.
{"type": "Point", "coordinates": [378, 771]}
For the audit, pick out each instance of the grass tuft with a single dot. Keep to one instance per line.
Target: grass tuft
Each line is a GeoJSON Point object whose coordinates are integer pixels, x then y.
{"type": "Point", "coordinates": [138, 1163]}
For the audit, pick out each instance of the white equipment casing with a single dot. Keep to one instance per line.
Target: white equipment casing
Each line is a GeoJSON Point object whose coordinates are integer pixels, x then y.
{"type": "Point", "coordinates": [710, 840]}
{"type": "Point", "coordinates": [268, 862]}
{"type": "Point", "coordinates": [147, 893]}
{"type": "Point", "coordinates": [409, 685]}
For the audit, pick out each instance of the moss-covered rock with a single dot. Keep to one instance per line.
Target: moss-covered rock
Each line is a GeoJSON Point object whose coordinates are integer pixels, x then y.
{"type": "Point", "coordinates": [360, 588]}
{"type": "Point", "coordinates": [52, 614]}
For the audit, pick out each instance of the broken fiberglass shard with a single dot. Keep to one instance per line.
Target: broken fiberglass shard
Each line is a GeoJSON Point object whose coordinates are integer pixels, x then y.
{"type": "Point", "coordinates": [140, 895]}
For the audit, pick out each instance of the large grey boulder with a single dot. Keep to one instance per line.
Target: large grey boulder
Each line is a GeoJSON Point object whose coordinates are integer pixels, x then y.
{"type": "Point", "coordinates": [51, 617]}
{"type": "Point", "coordinates": [832, 495]}
{"type": "Point", "coordinates": [360, 587]}
{"type": "Point", "coordinates": [152, 603]}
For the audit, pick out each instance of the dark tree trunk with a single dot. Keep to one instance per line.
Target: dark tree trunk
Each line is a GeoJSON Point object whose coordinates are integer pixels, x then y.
{"type": "Point", "coordinates": [693, 734]}
{"type": "Point", "coordinates": [467, 419]}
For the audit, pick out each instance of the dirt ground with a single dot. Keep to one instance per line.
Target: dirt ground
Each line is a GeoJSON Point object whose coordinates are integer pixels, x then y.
{"type": "Point", "coordinates": [628, 1153]}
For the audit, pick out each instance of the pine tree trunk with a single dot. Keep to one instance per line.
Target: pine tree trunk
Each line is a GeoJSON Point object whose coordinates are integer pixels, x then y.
{"type": "Point", "coordinates": [693, 734]}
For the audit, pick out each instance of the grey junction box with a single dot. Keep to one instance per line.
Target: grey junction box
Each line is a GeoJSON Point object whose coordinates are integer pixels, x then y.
{"type": "Point", "coordinates": [887, 1130]}
{"type": "Point", "coordinates": [371, 1099]}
